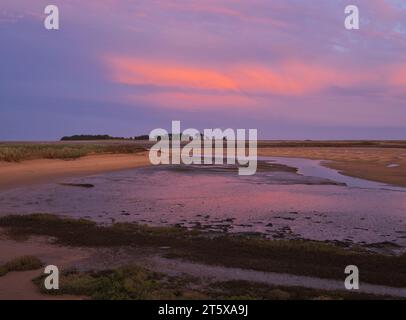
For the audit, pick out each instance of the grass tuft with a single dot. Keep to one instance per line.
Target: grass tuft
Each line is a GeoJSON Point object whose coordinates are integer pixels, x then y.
{"type": "Point", "coordinates": [124, 283]}
{"type": "Point", "coordinates": [24, 263]}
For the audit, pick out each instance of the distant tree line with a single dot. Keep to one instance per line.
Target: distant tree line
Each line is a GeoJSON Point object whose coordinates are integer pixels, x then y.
{"type": "Point", "coordinates": [83, 137]}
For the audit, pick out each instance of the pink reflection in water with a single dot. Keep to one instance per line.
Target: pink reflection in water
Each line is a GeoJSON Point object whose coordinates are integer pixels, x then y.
{"type": "Point", "coordinates": [225, 202]}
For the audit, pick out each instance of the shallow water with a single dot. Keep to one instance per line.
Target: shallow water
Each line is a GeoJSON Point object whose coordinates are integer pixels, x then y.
{"type": "Point", "coordinates": [309, 167]}
{"type": "Point", "coordinates": [277, 203]}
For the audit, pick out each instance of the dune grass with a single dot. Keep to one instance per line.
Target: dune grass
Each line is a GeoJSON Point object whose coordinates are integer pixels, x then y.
{"type": "Point", "coordinates": [24, 263]}
{"type": "Point", "coordinates": [301, 257]}
{"type": "Point", "coordinates": [19, 152]}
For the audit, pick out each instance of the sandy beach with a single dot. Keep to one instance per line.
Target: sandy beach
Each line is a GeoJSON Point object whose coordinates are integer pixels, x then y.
{"type": "Point", "coordinates": [51, 170]}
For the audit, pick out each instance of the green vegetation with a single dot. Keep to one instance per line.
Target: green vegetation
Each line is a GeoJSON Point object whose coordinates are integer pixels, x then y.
{"type": "Point", "coordinates": [237, 289]}
{"type": "Point", "coordinates": [136, 283]}
{"type": "Point", "coordinates": [141, 137]}
{"type": "Point", "coordinates": [92, 137]}
{"type": "Point", "coordinates": [19, 151]}
{"type": "Point", "coordinates": [21, 264]}
{"type": "Point", "coordinates": [124, 283]}
{"type": "Point", "coordinates": [299, 257]}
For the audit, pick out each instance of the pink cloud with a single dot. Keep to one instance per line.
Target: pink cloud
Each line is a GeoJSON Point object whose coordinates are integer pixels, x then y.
{"type": "Point", "coordinates": [399, 76]}
{"type": "Point", "coordinates": [246, 85]}
{"type": "Point", "coordinates": [288, 78]}
{"type": "Point", "coordinates": [141, 71]}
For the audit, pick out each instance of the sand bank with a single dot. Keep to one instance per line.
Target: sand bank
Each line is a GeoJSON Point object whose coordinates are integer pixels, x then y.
{"type": "Point", "coordinates": [24, 173]}
{"type": "Point", "coordinates": [376, 164]}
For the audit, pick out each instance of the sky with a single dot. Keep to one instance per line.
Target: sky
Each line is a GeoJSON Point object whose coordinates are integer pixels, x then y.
{"type": "Point", "coordinates": [288, 68]}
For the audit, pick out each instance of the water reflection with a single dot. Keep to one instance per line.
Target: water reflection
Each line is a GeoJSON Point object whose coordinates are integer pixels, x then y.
{"type": "Point", "coordinates": [277, 202]}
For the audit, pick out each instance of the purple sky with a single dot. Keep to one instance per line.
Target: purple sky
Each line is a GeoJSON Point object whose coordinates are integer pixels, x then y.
{"type": "Point", "coordinates": [123, 67]}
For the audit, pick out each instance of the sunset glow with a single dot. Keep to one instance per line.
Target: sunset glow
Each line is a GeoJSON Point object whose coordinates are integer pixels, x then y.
{"type": "Point", "coordinates": [289, 68]}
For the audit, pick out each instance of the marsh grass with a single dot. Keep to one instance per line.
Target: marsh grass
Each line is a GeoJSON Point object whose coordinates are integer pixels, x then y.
{"type": "Point", "coordinates": [24, 263]}
{"type": "Point", "coordinates": [137, 283]}
{"type": "Point", "coordinates": [301, 257]}
{"type": "Point", "coordinates": [18, 152]}
{"type": "Point", "coordinates": [124, 283]}
{"type": "Point", "coordinates": [246, 290]}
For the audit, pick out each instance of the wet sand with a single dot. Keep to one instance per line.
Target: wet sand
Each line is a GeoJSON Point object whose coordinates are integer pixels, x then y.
{"type": "Point", "coordinates": [386, 165]}
{"type": "Point", "coordinates": [19, 285]}
{"type": "Point", "coordinates": [43, 170]}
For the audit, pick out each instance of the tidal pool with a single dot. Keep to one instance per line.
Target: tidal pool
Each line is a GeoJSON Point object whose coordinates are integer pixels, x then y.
{"type": "Point", "coordinates": [312, 203]}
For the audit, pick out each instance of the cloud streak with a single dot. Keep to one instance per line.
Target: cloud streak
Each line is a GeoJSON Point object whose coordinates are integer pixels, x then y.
{"type": "Point", "coordinates": [241, 84]}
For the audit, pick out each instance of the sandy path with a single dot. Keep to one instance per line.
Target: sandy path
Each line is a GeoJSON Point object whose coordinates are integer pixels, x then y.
{"type": "Point", "coordinates": [43, 170]}
{"type": "Point", "coordinates": [19, 285]}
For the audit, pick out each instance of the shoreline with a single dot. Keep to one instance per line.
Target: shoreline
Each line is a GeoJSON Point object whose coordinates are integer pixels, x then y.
{"type": "Point", "coordinates": [369, 163]}
{"type": "Point", "coordinates": [30, 172]}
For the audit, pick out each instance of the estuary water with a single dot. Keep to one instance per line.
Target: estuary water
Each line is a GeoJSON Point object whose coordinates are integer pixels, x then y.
{"type": "Point", "coordinates": [313, 203]}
